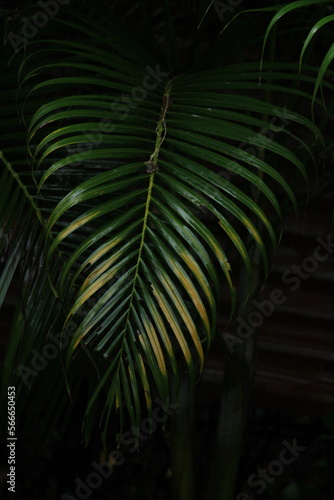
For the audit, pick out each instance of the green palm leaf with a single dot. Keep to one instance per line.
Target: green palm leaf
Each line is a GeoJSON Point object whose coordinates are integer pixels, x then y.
{"type": "Point", "coordinates": [123, 182]}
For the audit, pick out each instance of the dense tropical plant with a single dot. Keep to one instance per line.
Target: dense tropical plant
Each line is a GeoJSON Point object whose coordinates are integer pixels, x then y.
{"type": "Point", "coordinates": [145, 171]}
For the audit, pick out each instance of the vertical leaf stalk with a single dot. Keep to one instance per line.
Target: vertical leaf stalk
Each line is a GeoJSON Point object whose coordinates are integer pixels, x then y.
{"type": "Point", "coordinates": [182, 446]}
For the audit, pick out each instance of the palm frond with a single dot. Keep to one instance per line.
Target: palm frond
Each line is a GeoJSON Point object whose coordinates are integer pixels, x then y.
{"type": "Point", "coordinates": [142, 230]}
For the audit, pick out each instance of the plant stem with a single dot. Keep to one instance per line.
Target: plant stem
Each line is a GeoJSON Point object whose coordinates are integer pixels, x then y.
{"type": "Point", "coordinates": [238, 373]}
{"type": "Point", "coordinates": [182, 445]}
{"type": "Point", "coordinates": [230, 427]}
